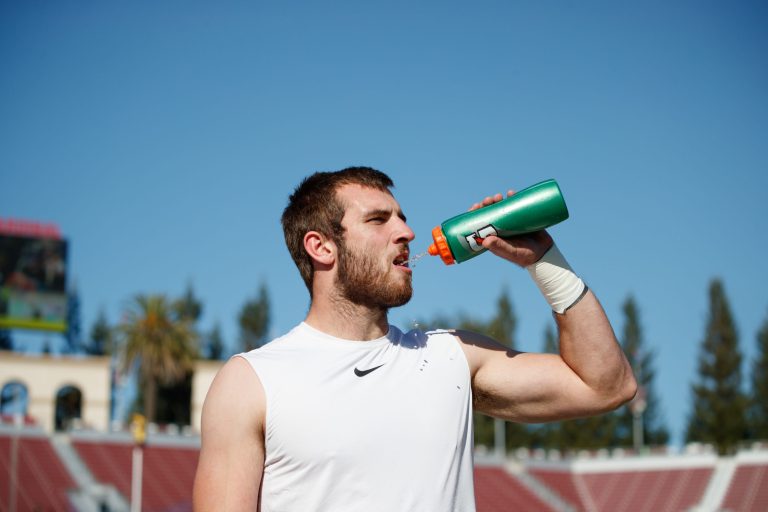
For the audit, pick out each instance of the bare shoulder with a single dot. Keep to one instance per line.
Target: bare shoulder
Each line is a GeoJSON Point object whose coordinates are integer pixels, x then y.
{"type": "Point", "coordinates": [232, 440]}
{"type": "Point", "coordinates": [479, 348]}
{"type": "Point", "coordinates": [236, 394]}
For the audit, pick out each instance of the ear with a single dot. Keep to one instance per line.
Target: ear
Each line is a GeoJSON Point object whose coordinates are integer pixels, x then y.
{"type": "Point", "coordinates": [321, 249]}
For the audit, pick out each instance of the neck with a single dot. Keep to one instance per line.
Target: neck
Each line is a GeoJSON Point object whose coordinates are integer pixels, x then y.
{"type": "Point", "coordinates": [341, 318]}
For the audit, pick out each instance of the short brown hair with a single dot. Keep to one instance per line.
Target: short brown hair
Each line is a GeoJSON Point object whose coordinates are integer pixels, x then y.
{"type": "Point", "coordinates": [313, 206]}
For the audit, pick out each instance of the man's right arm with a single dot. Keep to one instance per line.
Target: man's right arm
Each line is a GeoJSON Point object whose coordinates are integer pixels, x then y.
{"type": "Point", "coordinates": [232, 436]}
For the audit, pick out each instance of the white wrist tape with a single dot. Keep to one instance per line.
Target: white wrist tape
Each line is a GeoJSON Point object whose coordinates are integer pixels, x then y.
{"type": "Point", "coordinates": [556, 280]}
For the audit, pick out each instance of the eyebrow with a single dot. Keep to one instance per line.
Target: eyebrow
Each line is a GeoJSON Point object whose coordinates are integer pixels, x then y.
{"type": "Point", "coordinates": [384, 212]}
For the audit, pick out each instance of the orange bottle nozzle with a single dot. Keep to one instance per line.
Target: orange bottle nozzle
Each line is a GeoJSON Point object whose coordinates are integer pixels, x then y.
{"type": "Point", "coordinates": [440, 247]}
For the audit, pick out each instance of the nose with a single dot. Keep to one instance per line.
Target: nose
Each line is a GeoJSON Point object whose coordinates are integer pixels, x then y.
{"type": "Point", "coordinates": [405, 233]}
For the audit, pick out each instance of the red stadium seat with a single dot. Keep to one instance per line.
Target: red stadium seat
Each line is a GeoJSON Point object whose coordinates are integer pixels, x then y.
{"type": "Point", "coordinates": [42, 481]}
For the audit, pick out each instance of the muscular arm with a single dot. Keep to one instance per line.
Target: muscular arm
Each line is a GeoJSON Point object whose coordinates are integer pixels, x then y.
{"type": "Point", "coordinates": [232, 454]}
{"type": "Point", "coordinates": [589, 376]}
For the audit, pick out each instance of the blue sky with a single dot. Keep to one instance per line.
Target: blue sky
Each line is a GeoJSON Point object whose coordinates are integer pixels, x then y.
{"type": "Point", "coordinates": [164, 138]}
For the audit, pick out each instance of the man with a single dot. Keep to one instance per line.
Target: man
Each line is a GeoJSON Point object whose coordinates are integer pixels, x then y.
{"type": "Point", "coordinates": [347, 413]}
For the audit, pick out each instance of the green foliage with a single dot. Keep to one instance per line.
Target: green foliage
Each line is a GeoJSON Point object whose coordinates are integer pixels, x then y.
{"type": "Point", "coordinates": [73, 333]}
{"type": "Point", "coordinates": [580, 434]}
{"type": "Point", "coordinates": [254, 320]}
{"type": "Point", "coordinates": [215, 344]}
{"type": "Point", "coordinates": [641, 359]}
{"type": "Point", "coordinates": [188, 307]}
{"type": "Point", "coordinates": [502, 325]}
{"type": "Point", "coordinates": [758, 411]}
{"type": "Point", "coordinates": [101, 336]}
{"type": "Point", "coordinates": [719, 405]}
{"type": "Point", "coordinates": [163, 343]}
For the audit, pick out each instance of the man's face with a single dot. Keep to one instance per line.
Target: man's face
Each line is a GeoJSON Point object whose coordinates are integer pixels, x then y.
{"type": "Point", "coordinates": [373, 255]}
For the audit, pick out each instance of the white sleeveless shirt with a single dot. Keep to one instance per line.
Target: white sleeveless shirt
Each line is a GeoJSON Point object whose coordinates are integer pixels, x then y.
{"type": "Point", "coordinates": [366, 426]}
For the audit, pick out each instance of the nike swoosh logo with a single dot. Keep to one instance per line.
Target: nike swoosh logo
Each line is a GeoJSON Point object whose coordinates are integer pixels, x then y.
{"type": "Point", "coordinates": [363, 373]}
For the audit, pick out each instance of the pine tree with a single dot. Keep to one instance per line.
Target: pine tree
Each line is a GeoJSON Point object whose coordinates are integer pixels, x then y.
{"type": "Point", "coordinates": [215, 344]}
{"type": "Point", "coordinates": [101, 337]}
{"type": "Point", "coordinates": [254, 320]}
{"type": "Point", "coordinates": [585, 433]}
{"type": "Point", "coordinates": [758, 412]}
{"type": "Point", "coordinates": [590, 433]}
{"type": "Point", "coordinates": [502, 325]}
{"type": "Point", "coordinates": [72, 334]}
{"type": "Point", "coordinates": [547, 434]}
{"type": "Point", "coordinates": [719, 404]}
{"type": "Point", "coordinates": [654, 433]}
{"type": "Point", "coordinates": [188, 308]}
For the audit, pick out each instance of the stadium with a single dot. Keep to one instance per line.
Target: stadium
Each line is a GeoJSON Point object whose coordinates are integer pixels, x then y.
{"type": "Point", "coordinates": [165, 138]}
{"type": "Point", "coordinates": [90, 466]}
{"type": "Point", "coordinates": [61, 448]}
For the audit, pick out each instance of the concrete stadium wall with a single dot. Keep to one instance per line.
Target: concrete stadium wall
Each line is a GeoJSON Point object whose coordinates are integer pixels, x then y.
{"type": "Point", "coordinates": [205, 371]}
{"type": "Point", "coordinates": [44, 376]}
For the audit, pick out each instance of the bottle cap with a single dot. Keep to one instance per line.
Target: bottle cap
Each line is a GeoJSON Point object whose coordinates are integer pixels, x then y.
{"type": "Point", "coordinates": [440, 247]}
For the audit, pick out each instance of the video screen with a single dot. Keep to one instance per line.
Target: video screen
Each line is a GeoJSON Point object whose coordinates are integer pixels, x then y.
{"type": "Point", "coordinates": [33, 283]}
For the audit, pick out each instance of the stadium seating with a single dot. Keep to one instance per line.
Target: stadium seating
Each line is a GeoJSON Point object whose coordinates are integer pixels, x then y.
{"type": "Point", "coordinates": [169, 471]}
{"type": "Point", "coordinates": [748, 490]}
{"type": "Point", "coordinates": [562, 482]}
{"type": "Point", "coordinates": [42, 481]}
{"type": "Point", "coordinates": [621, 490]}
{"type": "Point", "coordinates": [498, 491]}
{"type": "Point", "coordinates": [652, 483]}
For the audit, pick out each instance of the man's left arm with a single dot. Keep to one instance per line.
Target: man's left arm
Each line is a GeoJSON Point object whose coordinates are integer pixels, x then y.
{"type": "Point", "coordinates": [590, 375]}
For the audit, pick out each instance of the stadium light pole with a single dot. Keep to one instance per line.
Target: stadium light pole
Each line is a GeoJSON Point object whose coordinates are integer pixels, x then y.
{"type": "Point", "coordinates": [137, 469]}
{"type": "Point", "coordinates": [500, 438]}
{"type": "Point", "coordinates": [13, 480]}
{"type": "Point", "coordinates": [637, 406]}
{"type": "Point", "coordinates": [13, 483]}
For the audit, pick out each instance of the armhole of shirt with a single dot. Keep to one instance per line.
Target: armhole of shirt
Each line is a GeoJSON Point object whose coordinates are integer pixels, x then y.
{"type": "Point", "coordinates": [264, 386]}
{"type": "Point", "coordinates": [455, 340]}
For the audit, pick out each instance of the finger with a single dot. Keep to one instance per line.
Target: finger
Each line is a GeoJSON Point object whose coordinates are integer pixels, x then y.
{"type": "Point", "coordinates": [510, 192]}
{"type": "Point", "coordinates": [489, 200]}
{"type": "Point", "coordinates": [489, 241]}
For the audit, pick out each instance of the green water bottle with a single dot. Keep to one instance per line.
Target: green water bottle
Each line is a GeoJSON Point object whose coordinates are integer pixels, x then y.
{"type": "Point", "coordinates": [532, 209]}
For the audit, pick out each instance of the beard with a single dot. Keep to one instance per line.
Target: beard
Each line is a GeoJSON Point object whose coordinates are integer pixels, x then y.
{"type": "Point", "coordinates": [361, 282]}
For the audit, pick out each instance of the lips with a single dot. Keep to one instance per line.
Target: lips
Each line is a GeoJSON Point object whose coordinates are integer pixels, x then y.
{"type": "Point", "coordinates": [401, 260]}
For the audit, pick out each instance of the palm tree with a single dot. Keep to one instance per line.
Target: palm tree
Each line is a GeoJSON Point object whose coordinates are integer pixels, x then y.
{"type": "Point", "coordinates": [164, 344]}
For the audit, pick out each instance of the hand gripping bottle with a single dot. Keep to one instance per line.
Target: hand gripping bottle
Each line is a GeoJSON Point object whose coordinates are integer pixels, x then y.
{"type": "Point", "coordinates": [532, 209]}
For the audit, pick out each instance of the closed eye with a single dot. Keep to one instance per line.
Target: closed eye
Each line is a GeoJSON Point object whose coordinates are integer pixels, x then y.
{"type": "Point", "coordinates": [378, 217]}
{"type": "Point", "coordinates": [383, 216]}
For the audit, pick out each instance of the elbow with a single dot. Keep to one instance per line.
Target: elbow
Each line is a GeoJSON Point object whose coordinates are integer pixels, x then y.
{"type": "Point", "coordinates": [624, 391]}
{"type": "Point", "coordinates": [629, 389]}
